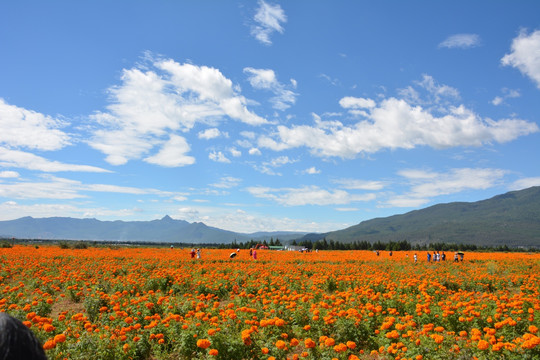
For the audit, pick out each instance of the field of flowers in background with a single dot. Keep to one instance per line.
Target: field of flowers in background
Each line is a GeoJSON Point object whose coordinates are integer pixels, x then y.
{"type": "Point", "coordinates": [152, 303]}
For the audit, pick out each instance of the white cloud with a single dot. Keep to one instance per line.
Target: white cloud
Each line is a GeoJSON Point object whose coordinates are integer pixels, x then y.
{"type": "Point", "coordinates": [266, 79]}
{"type": "Point", "coordinates": [235, 152]}
{"type": "Point", "coordinates": [359, 184]}
{"type": "Point", "coordinates": [395, 123]}
{"type": "Point", "coordinates": [308, 195]}
{"type": "Point", "coordinates": [268, 18]}
{"type": "Point", "coordinates": [10, 210]}
{"type": "Point", "coordinates": [254, 151]}
{"type": "Point", "coordinates": [173, 153]}
{"type": "Point", "coordinates": [497, 100]}
{"type": "Point", "coordinates": [52, 187]}
{"type": "Point", "coordinates": [347, 209]}
{"type": "Point", "coordinates": [29, 129]}
{"type": "Point", "coordinates": [227, 182]}
{"type": "Point", "coordinates": [507, 94]}
{"type": "Point", "coordinates": [26, 160]}
{"type": "Point", "coordinates": [60, 189]}
{"type": "Point", "coordinates": [239, 220]}
{"type": "Point", "coordinates": [218, 157]}
{"type": "Point", "coordinates": [312, 171]}
{"type": "Point", "coordinates": [427, 185]}
{"type": "Point", "coordinates": [525, 55]}
{"type": "Point", "coordinates": [525, 183]}
{"type": "Point", "coordinates": [462, 41]}
{"type": "Point", "coordinates": [9, 174]}
{"type": "Point", "coordinates": [280, 161]}
{"type": "Point", "coordinates": [164, 99]}
{"type": "Point", "coordinates": [349, 102]}
{"type": "Point", "coordinates": [209, 134]}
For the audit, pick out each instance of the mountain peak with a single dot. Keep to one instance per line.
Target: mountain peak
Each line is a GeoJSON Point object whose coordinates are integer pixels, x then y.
{"type": "Point", "coordinates": [166, 218]}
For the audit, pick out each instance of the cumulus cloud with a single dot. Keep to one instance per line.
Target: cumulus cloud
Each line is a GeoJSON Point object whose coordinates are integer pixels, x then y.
{"type": "Point", "coordinates": [268, 19]}
{"type": "Point", "coordinates": [163, 99]}
{"type": "Point", "coordinates": [461, 41]}
{"type": "Point", "coordinates": [173, 153]}
{"type": "Point", "coordinates": [209, 134]}
{"type": "Point", "coordinates": [266, 79]}
{"type": "Point", "coordinates": [218, 156]}
{"type": "Point", "coordinates": [235, 152]}
{"type": "Point", "coordinates": [349, 102]}
{"type": "Point", "coordinates": [21, 128]}
{"type": "Point", "coordinates": [425, 185]}
{"type": "Point", "coordinates": [311, 171]}
{"type": "Point", "coordinates": [395, 123]}
{"type": "Point", "coordinates": [525, 55]}
{"type": "Point", "coordinates": [308, 195]}
{"type": "Point", "coordinates": [268, 167]}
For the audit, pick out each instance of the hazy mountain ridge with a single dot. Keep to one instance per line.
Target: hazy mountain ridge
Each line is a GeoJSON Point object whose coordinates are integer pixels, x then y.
{"type": "Point", "coordinates": [164, 230]}
{"type": "Point", "coordinates": [511, 219]}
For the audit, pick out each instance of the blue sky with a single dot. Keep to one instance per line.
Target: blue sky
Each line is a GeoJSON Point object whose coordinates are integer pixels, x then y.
{"type": "Point", "coordinates": [258, 116]}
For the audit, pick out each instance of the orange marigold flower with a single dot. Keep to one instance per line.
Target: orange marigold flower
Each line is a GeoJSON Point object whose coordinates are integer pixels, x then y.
{"type": "Point", "coordinates": [49, 344]}
{"type": "Point", "coordinates": [341, 347]}
{"type": "Point", "coordinates": [203, 343]}
{"type": "Point", "coordinates": [533, 329]}
{"type": "Point", "coordinates": [280, 344]}
{"type": "Point", "coordinates": [213, 352]}
{"type": "Point", "coordinates": [60, 338]}
{"type": "Point", "coordinates": [351, 344]}
{"type": "Point", "coordinates": [265, 350]}
{"type": "Point", "coordinates": [483, 345]}
{"type": "Point", "coordinates": [329, 342]}
{"type": "Point", "coordinates": [309, 343]}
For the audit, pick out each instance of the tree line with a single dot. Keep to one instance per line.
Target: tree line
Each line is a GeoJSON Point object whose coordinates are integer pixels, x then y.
{"type": "Point", "coordinates": [402, 245]}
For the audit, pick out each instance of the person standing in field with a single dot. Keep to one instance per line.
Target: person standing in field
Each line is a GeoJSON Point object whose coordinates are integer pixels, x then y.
{"type": "Point", "coordinates": [192, 253]}
{"type": "Point", "coordinates": [428, 256]}
{"type": "Point", "coordinates": [255, 254]}
{"type": "Point", "coordinates": [198, 253]}
{"type": "Point", "coordinates": [415, 258]}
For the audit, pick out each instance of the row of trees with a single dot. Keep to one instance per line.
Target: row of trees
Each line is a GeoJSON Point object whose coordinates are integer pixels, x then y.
{"type": "Point", "coordinates": [399, 245]}
{"type": "Point", "coordinates": [250, 244]}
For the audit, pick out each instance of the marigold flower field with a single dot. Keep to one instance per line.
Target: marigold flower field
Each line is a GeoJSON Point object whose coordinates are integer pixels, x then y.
{"type": "Point", "coordinates": [158, 303]}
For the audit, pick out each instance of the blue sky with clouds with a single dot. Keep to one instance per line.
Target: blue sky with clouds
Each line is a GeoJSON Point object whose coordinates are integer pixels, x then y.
{"type": "Point", "coordinates": [298, 115]}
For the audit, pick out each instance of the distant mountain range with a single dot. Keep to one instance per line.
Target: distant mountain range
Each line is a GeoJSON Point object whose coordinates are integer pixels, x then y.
{"type": "Point", "coordinates": [511, 219]}
{"type": "Point", "coordinates": [166, 230]}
